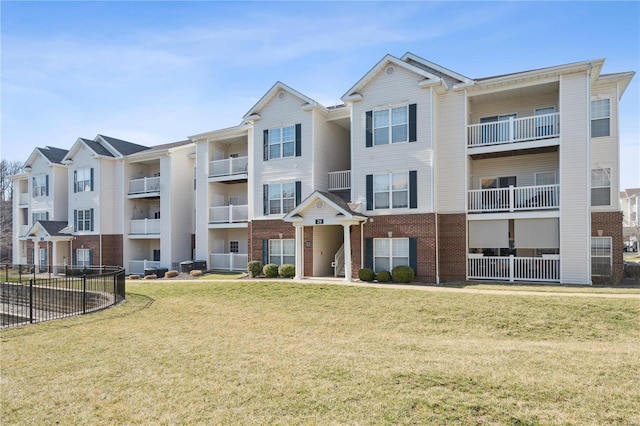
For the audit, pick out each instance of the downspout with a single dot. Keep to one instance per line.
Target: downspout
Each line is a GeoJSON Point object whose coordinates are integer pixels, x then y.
{"type": "Point", "coordinates": [588, 171]}
{"type": "Point", "coordinates": [434, 186]}
{"type": "Point", "coordinates": [361, 244]}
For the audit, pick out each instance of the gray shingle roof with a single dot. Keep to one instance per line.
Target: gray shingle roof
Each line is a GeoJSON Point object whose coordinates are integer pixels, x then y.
{"type": "Point", "coordinates": [55, 155]}
{"type": "Point", "coordinates": [53, 227]}
{"type": "Point", "coordinates": [124, 147]}
{"type": "Point", "coordinates": [97, 148]}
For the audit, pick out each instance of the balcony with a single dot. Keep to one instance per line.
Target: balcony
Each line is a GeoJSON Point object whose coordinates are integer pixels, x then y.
{"type": "Point", "coordinates": [229, 169]}
{"type": "Point", "coordinates": [229, 261]}
{"type": "Point", "coordinates": [138, 266]}
{"type": "Point", "coordinates": [144, 187]}
{"type": "Point", "coordinates": [514, 130]}
{"type": "Point", "coordinates": [23, 198]}
{"type": "Point", "coordinates": [511, 268]}
{"type": "Point", "coordinates": [228, 214]}
{"type": "Point", "coordinates": [514, 198]}
{"type": "Point", "coordinates": [23, 230]}
{"type": "Point", "coordinates": [340, 181]}
{"type": "Point", "coordinates": [144, 227]}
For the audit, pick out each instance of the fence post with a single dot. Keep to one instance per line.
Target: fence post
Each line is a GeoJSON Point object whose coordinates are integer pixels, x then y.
{"type": "Point", "coordinates": [84, 294]}
{"type": "Point", "coordinates": [31, 301]}
{"type": "Point", "coordinates": [20, 274]}
{"type": "Point", "coordinates": [511, 271]}
{"type": "Point", "coordinates": [6, 273]}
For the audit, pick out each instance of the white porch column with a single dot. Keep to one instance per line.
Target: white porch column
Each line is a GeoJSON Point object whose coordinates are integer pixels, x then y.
{"type": "Point", "coordinates": [53, 257]}
{"type": "Point", "coordinates": [347, 252]}
{"type": "Point", "coordinates": [36, 252]}
{"type": "Point", "coordinates": [299, 242]}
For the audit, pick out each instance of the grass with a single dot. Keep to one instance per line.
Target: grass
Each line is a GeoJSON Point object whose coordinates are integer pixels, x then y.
{"type": "Point", "coordinates": [551, 288]}
{"type": "Point", "coordinates": [252, 352]}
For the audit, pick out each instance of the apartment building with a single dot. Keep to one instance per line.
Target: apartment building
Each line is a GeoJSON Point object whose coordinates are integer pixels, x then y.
{"type": "Point", "coordinates": [509, 178]}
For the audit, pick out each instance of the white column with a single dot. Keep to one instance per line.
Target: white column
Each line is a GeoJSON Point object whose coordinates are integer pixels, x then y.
{"type": "Point", "coordinates": [53, 257]}
{"type": "Point", "coordinates": [347, 253]}
{"type": "Point", "coordinates": [299, 252]}
{"type": "Point", "coordinates": [36, 252]}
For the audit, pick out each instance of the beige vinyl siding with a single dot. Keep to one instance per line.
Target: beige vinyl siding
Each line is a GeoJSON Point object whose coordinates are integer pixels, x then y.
{"type": "Point", "coordinates": [331, 150]}
{"type": "Point", "coordinates": [386, 92]}
{"type": "Point", "coordinates": [522, 106]}
{"type": "Point", "coordinates": [575, 218]}
{"type": "Point", "coordinates": [59, 194]}
{"type": "Point", "coordinates": [90, 199]}
{"type": "Point", "coordinates": [278, 113]}
{"type": "Point", "coordinates": [605, 149]}
{"type": "Point", "coordinates": [326, 242]}
{"type": "Point", "coordinates": [524, 167]}
{"type": "Point", "coordinates": [202, 200]}
{"type": "Point", "coordinates": [451, 153]}
{"type": "Point", "coordinates": [41, 203]}
{"type": "Point", "coordinates": [105, 184]}
{"type": "Point", "coordinates": [177, 177]}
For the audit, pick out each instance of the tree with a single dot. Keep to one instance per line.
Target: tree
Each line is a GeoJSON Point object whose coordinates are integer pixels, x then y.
{"type": "Point", "coordinates": [7, 169]}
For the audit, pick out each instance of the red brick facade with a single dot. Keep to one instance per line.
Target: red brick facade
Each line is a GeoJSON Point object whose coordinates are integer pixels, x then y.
{"type": "Point", "coordinates": [111, 248]}
{"type": "Point", "coordinates": [610, 223]}
{"type": "Point", "coordinates": [452, 243]}
{"type": "Point", "coordinates": [267, 230]}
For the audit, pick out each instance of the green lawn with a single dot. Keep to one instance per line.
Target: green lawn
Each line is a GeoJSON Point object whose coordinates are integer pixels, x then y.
{"type": "Point", "coordinates": [258, 352]}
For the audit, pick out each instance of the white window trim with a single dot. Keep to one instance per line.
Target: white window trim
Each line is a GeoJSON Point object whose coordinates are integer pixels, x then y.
{"type": "Point", "coordinates": [39, 215]}
{"type": "Point", "coordinates": [281, 198]}
{"type": "Point", "coordinates": [610, 256]}
{"type": "Point", "coordinates": [555, 177]}
{"type": "Point", "coordinates": [391, 256]}
{"type": "Point", "coordinates": [86, 220]}
{"type": "Point", "coordinates": [86, 181]}
{"type": "Point", "coordinates": [40, 185]}
{"type": "Point", "coordinates": [592, 118]}
{"type": "Point", "coordinates": [237, 244]}
{"type": "Point", "coordinates": [281, 254]}
{"type": "Point", "coordinates": [390, 192]}
{"type": "Point", "coordinates": [83, 257]}
{"type": "Point", "coordinates": [390, 125]}
{"type": "Point", "coordinates": [607, 169]}
{"type": "Point", "coordinates": [281, 142]}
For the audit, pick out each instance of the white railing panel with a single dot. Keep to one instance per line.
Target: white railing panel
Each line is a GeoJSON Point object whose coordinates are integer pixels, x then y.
{"type": "Point", "coordinates": [23, 230]}
{"type": "Point", "coordinates": [489, 267]}
{"type": "Point", "coordinates": [493, 200]}
{"type": "Point", "coordinates": [144, 185]}
{"type": "Point", "coordinates": [228, 214]}
{"type": "Point", "coordinates": [23, 198]}
{"type": "Point", "coordinates": [536, 268]}
{"type": "Point", "coordinates": [228, 166]}
{"type": "Point", "coordinates": [511, 268]}
{"type": "Point", "coordinates": [340, 180]}
{"type": "Point", "coordinates": [538, 197]}
{"type": "Point", "coordinates": [144, 226]}
{"type": "Point", "coordinates": [138, 266]}
{"type": "Point", "coordinates": [514, 130]}
{"type": "Point", "coordinates": [229, 261]}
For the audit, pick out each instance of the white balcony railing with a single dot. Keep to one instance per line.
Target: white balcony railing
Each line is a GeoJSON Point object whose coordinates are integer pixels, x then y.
{"type": "Point", "coordinates": [511, 268]}
{"type": "Point", "coordinates": [144, 226]}
{"type": "Point", "coordinates": [229, 214]}
{"type": "Point", "coordinates": [23, 230]}
{"type": "Point", "coordinates": [138, 266]}
{"type": "Point", "coordinates": [228, 166]}
{"type": "Point", "coordinates": [23, 198]}
{"type": "Point", "coordinates": [144, 185]}
{"type": "Point", "coordinates": [514, 198]}
{"type": "Point", "coordinates": [514, 130]}
{"type": "Point", "coordinates": [339, 181]}
{"type": "Point", "coordinates": [229, 261]}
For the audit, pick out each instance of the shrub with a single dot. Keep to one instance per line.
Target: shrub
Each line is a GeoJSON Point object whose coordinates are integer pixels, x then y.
{"type": "Point", "coordinates": [134, 277]}
{"type": "Point", "coordinates": [254, 268]}
{"type": "Point", "coordinates": [270, 270]}
{"type": "Point", "coordinates": [150, 277]}
{"type": "Point", "coordinates": [366, 274]}
{"type": "Point", "coordinates": [402, 274]}
{"type": "Point", "coordinates": [287, 270]}
{"type": "Point", "coordinates": [195, 273]}
{"type": "Point", "coordinates": [384, 277]}
{"type": "Point", "coordinates": [171, 274]}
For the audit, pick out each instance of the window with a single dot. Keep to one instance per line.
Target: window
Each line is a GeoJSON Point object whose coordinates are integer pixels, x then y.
{"type": "Point", "coordinates": [389, 253]}
{"type": "Point", "coordinates": [281, 198]}
{"type": "Point", "coordinates": [282, 251]}
{"type": "Point", "coordinates": [600, 255]}
{"type": "Point", "coordinates": [234, 247]}
{"type": "Point", "coordinates": [545, 178]}
{"type": "Point", "coordinates": [600, 114]}
{"type": "Point", "coordinates": [600, 187]}
{"type": "Point", "coordinates": [156, 255]}
{"type": "Point", "coordinates": [44, 259]}
{"type": "Point", "coordinates": [83, 180]}
{"type": "Point", "coordinates": [391, 125]}
{"type": "Point", "coordinates": [545, 123]}
{"type": "Point", "coordinates": [391, 191]}
{"type": "Point", "coordinates": [497, 128]}
{"type": "Point", "coordinates": [282, 142]}
{"type": "Point", "coordinates": [40, 216]}
{"type": "Point", "coordinates": [41, 185]}
{"type": "Point", "coordinates": [83, 257]}
{"type": "Point", "coordinates": [84, 220]}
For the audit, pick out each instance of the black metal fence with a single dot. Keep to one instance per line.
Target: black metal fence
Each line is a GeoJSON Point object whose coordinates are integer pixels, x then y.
{"type": "Point", "coordinates": [28, 295]}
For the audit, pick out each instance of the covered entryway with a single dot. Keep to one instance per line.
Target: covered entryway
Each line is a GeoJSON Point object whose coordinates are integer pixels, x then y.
{"type": "Point", "coordinates": [331, 219]}
{"type": "Point", "coordinates": [52, 245]}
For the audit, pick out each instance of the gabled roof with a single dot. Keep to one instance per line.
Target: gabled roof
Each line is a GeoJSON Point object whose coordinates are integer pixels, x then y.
{"type": "Point", "coordinates": [123, 147]}
{"type": "Point", "coordinates": [158, 150]}
{"type": "Point", "coordinates": [279, 86]}
{"type": "Point", "coordinates": [106, 146]}
{"type": "Point", "coordinates": [383, 63]}
{"type": "Point", "coordinates": [53, 228]}
{"type": "Point", "coordinates": [434, 68]}
{"type": "Point", "coordinates": [333, 200]}
{"type": "Point", "coordinates": [51, 154]}
{"type": "Point", "coordinates": [95, 147]}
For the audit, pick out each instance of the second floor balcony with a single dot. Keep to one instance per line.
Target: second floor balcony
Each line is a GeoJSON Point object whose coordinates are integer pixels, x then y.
{"type": "Point", "coordinates": [23, 198]}
{"type": "Point", "coordinates": [228, 214]}
{"type": "Point", "coordinates": [514, 198]}
{"type": "Point", "coordinates": [235, 168]}
{"type": "Point", "coordinates": [148, 186]}
{"type": "Point", "coordinates": [144, 227]}
{"type": "Point", "coordinates": [340, 180]}
{"type": "Point", "coordinates": [513, 130]}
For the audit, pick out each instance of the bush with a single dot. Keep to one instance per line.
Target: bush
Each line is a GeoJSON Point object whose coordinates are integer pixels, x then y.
{"type": "Point", "coordinates": [366, 274]}
{"type": "Point", "coordinates": [270, 270]}
{"type": "Point", "coordinates": [195, 273]}
{"type": "Point", "coordinates": [150, 277]}
{"type": "Point", "coordinates": [402, 274]}
{"type": "Point", "coordinates": [134, 277]}
{"type": "Point", "coordinates": [171, 274]}
{"type": "Point", "coordinates": [384, 277]}
{"type": "Point", "coordinates": [287, 270]}
{"type": "Point", "coordinates": [254, 268]}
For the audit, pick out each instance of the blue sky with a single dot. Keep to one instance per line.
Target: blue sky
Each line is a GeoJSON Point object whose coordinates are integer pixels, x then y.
{"type": "Point", "coordinates": [156, 72]}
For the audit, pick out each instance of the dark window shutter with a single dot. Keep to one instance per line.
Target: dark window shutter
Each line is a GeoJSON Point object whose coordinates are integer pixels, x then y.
{"type": "Point", "coordinates": [90, 257]}
{"type": "Point", "coordinates": [265, 200]}
{"type": "Point", "coordinates": [369, 124]}
{"type": "Point", "coordinates": [368, 253]}
{"type": "Point", "coordinates": [413, 133]}
{"type": "Point", "coordinates": [413, 254]}
{"type": "Point", "coordinates": [265, 252]}
{"type": "Point", "coordinates": [369, 192]}
{"type": "Point", "coordinates": [33, 187]}
{"type": "Point", "coordinates": [75, 221]}
{"type": "Point", "coordinates": [91, 225]}
{"type": "Point", "coordinates": [413, 189]}
{"type": "Point", "coordinates": [74, 257]}
{"type": "Point", "coordinates": [91, 173]}
{"type": "Point", "coordinates": [46, 185]}
{"type": "Point", "coordinates": [46, 216]}
{"type": "Point", "coordinates": [265, 145]}
{"type": "Point", "coordinates": [298, 192]}
{"type": "Point", "coordinates": [298, 140]}
{"type": "Point", "coordinates": [75, 181]}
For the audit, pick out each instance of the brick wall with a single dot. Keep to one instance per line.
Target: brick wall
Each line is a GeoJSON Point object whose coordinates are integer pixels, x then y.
{"type": "Point", "coordinates": [111, 248]}
{"type": "Point", "coordinates": [452, 243]}
{"type": "Point", "coordinates": [270, 230]}
{"type": "Point", "coordinates": [610, 223]}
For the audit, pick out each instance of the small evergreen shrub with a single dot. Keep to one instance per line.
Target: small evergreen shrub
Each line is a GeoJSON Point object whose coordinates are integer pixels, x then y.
{"type": "Point", "coordinates": [195, 273]}
{"type": "Point", "coordinates": [150, 277]}
{"type": "Point", "coordinates": [134, 277]}
{"type": "Point", "coordinates": [287, 270]}
{"type": "Point", "coordinates": [254, 268]}
{"type": "Point", "coordinates": [366, 274]}
{"type": "Point", "coordinates": [384, 277]}
{"type": "Point", "coordinates": [402, 274]}
{"type": "Point", "coordinates": [270, 270]}
{"type": "Point", "coordinates": [171, 274]}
